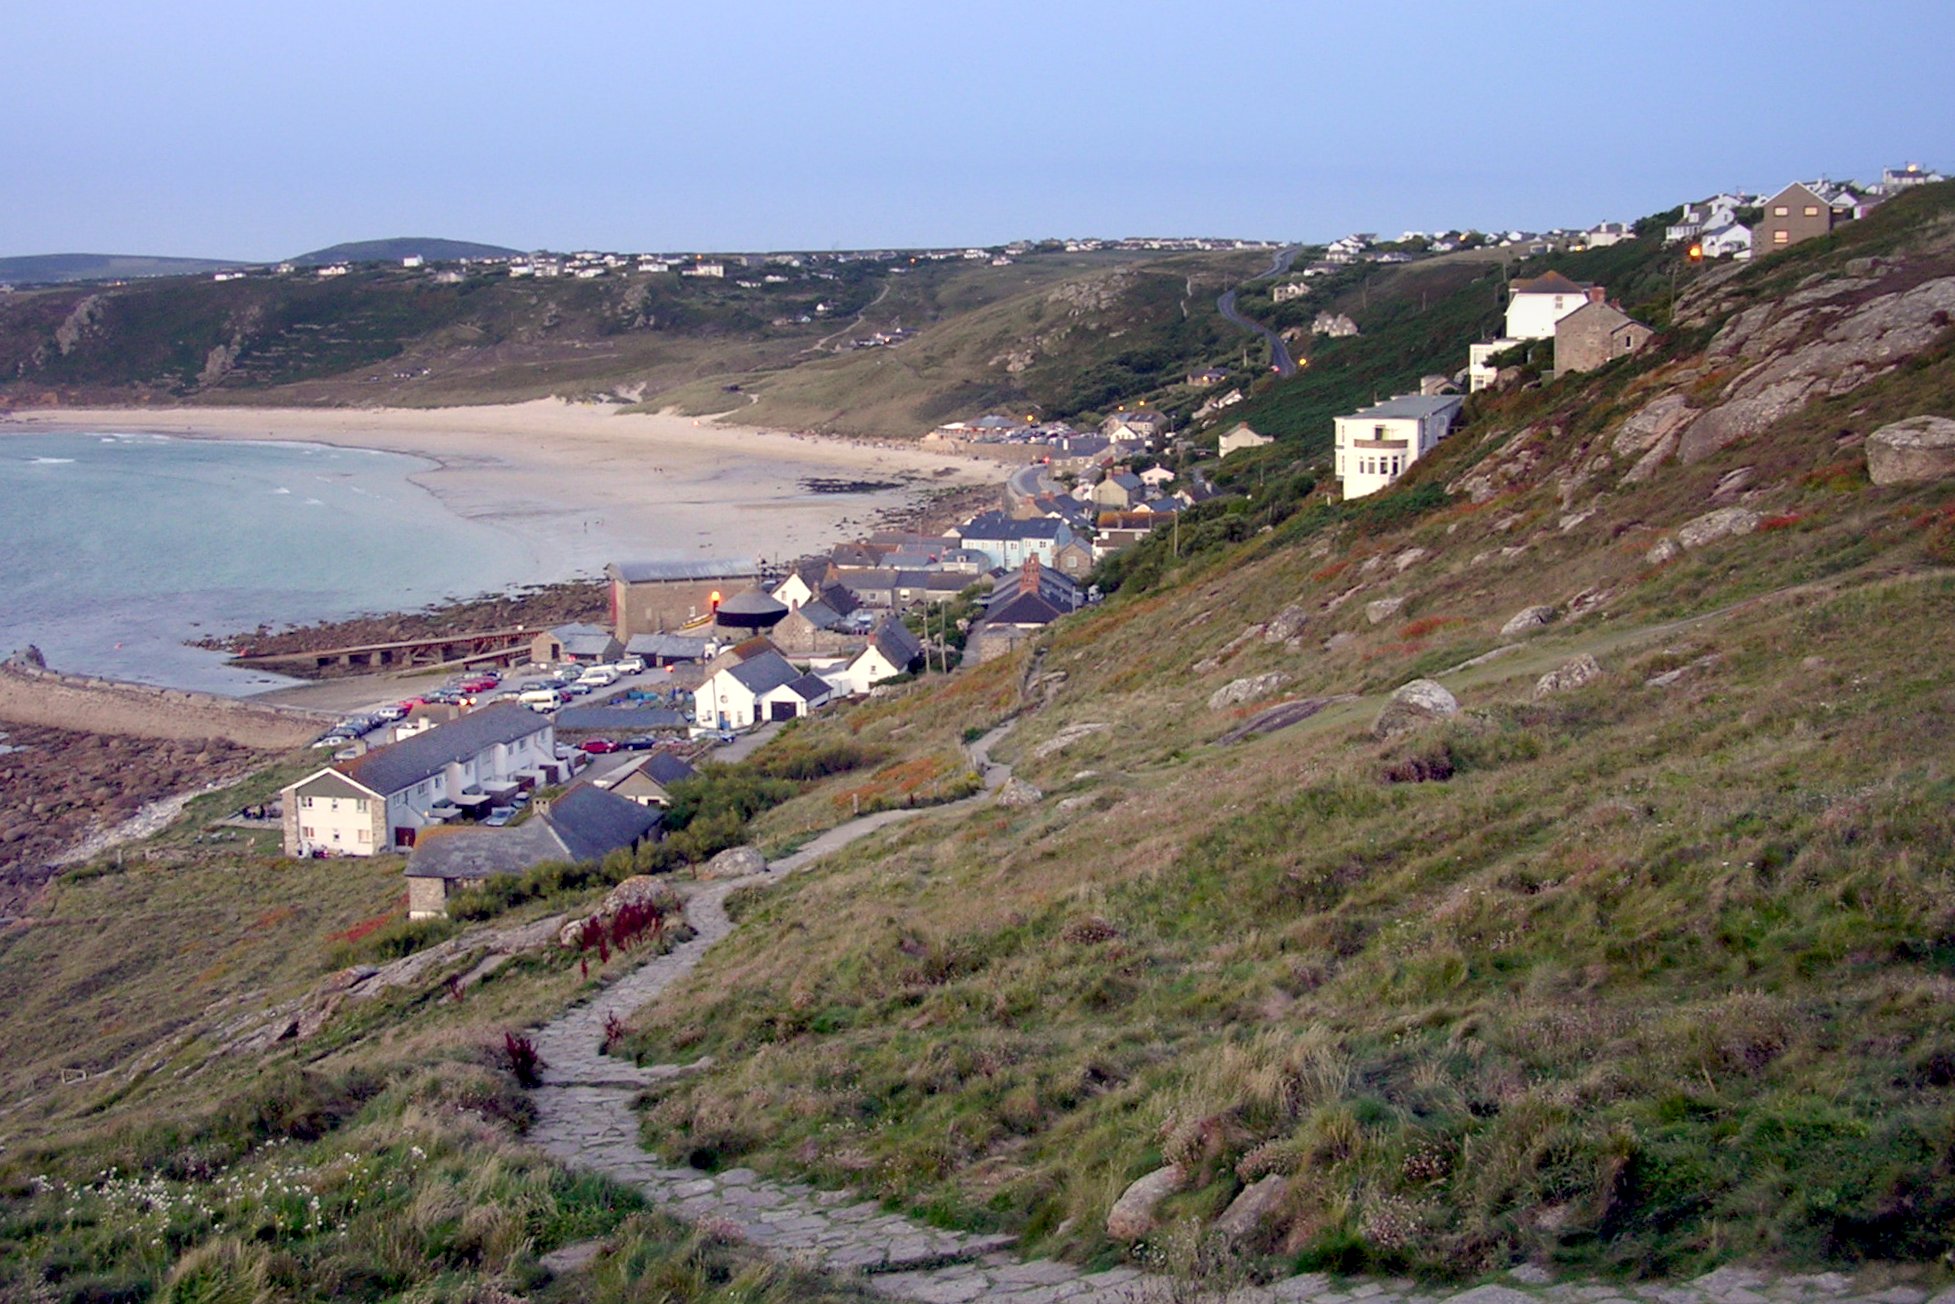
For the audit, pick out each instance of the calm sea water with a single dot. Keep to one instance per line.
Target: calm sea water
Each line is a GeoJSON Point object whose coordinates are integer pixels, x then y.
{"type": "Point", "coordinates": [116, 549]}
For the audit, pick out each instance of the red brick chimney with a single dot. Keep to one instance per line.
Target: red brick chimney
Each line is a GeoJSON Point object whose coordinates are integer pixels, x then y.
{"type": "Point", "coordinates": [1030, 574]}
{"type": "Point", "coordinates": [1596, 294]}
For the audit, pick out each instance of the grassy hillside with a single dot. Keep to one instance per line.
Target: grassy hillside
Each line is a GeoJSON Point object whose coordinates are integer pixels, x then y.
{"type": "Point", "coordinates": [1415, 320]}
{"type": "Point", "coordinates": [1634, 971]}
{"type": "Point", "coordinates": [397, 336]}
{"type": "Point", "coordinates": [1056, 349]}
{"type": "Point", "coordinates": [1637, 976]}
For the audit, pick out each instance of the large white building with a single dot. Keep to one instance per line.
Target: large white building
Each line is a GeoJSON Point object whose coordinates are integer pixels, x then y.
{"type": "Point", "coordinates": [1375, 446]}
{"type": "Point", "coordinates": [1538, 303]}
{"type": "Point", "coordinates": [1533, 308]}
{"type": "Point", "coordinates": [380, 801]}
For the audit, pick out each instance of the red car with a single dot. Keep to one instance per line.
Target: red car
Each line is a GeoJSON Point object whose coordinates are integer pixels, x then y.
{"type": "Point", "coordinates": [598, 746]}
{"type": "Point", "coordinates": [478, 685]}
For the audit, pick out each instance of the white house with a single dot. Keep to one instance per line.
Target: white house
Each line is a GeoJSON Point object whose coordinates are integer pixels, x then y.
{"type": "Point", "coordinates": [1239, 437]}
{"type": "Point", "coordinates": [1733, 239]}
{"type": "Point", "coordinates": [413, 260]}
{"type": "Point", "coordinates": [1480, 371]}
{"type": "Point", "coordinates": [382, 799]}
{"type": "Point", "coordinates": [1538, 303]}
{"type": "Point", "coordinates": [706, 269]}
{"type": "Point", "coordinates": [1604, 234]}
{"type": "Point", "coordinates": [1373, 447]}
{"type": "Point", "coordinates": [760, 685]}
{"type": "Point", "coordinates": [892, 651]}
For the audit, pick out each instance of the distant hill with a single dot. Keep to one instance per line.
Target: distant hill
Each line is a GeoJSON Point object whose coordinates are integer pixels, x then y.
{"type": "Point", "coordinates": [386, 251]}
{"type": "Point", "coordinates": [42, 269]}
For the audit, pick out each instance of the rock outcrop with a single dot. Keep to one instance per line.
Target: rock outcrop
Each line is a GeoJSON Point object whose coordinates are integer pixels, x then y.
{"type": "Point", "coordinates": [1528, 618]}
{"type": "Point", "coordinates": [1417, 703]}
{"type": "Point", "coordinates": [1253, 1210]}
{"type": "Point", "coordinates": [1383, 609]}
{"type": "Point", "coordinates": [1724, 523]}
{"type": "Point", "coordinates": [1016, 794]}
{"type": "Point", "coordinates": [1904, 452]}
{"type": "Point", "coordinates": [1133, 1214]}
{"type": "Point", "coordinates": [1569, 675]}
{"type": "Point", "coordinates": [734, 862]}
{"type": "Point", "coordinates": [1848, 346]}
{"type": "Point", "coordinates": [1252, 689]}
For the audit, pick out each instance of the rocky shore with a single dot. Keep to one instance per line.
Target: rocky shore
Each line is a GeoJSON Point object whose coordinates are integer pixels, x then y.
{"type": "Point", "coordinates": [58, 787]}
{"type": "Point", "coordinates": [539, 607]}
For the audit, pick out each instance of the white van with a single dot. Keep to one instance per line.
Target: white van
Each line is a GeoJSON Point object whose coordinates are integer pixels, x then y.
{"type": "Point", "coordinates": [599, 676]}
{"type": "Point", "coordinates": [542, 699]}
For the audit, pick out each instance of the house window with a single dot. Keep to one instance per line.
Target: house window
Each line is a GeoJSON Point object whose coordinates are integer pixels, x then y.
{"type": "Point", "coordinates": [1780, 210]}
{"type": "Point", "coordinates": [366, 835]}
{"type": "Point", "coordinates": [306, 802]}
{"type": "Point", "coordinates": [307, 833]}
{"type": "Point", "coordinates": [1781, 237]}
{"type": "Point", "coordinates": [1378, 432]}
{"type": "Point", "coordinates": [1812, 210]}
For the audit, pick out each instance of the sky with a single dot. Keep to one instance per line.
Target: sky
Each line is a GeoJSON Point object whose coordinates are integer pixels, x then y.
{"type": "Point", "coordinates": [258, 129]}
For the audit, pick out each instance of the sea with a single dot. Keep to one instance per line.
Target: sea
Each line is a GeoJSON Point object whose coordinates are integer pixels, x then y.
{"type": "Point", "coordinates": [118, 550]}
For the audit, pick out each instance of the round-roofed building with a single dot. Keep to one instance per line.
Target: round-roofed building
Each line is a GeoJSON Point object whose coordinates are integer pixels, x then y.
{"type": "Point", "coordinates": [752, 611]}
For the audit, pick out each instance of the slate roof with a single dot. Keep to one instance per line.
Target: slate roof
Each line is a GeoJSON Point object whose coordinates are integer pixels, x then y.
{"type": "Point", "coordinates": [704, 568]}
{"type": "Point", "coordinates": [473, 852]}
{"type": "Point", "coordinates": [897, 644]}
{"type": "Point", "coordinates": [389, 769]}
{"type": "Point", "coordinates": [667, 768]}
{"type": "Point", "coordinates": [626, 717]}
{"type": "Point", "coordinates": [754, 602]}
{"type": "Point", "coordinates": [764, 673]}
{"type": "Point", "coordinates": [1416, 406]}
{"type": "Point", "coordinates": [592, 823]}
{"type": "Point", "coordinates": [1610, 316]}
{"type": "Point", "coordinates": [1548, 283]}
{"type": "Point", "coordinates": [583, 640]}
{"type": "Point", "coordinates": [818, 613]}
{"type": "Point", "coordinates": [1023, 609]}
{"type": "Point", "coordinates": [667, 647]}
{"type": "Point", "coordinates": [810, 687]}
{"type": "Point", "coordinates": [997, 525]}
{"type": "Point", "coordinates": [932, 581]}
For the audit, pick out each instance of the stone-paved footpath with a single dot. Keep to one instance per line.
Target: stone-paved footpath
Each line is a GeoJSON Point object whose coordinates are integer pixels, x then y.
{"type": "Point", "coordinates": [586, 1120]}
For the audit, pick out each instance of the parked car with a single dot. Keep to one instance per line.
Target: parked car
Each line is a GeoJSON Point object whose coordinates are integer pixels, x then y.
{"type": "Point", "coordinates": [389, 714]}
{"type": "Point", "coordinates": [499, 816]}
{"type": "Point", "coordinates": [599, 676]}
{"type": "Point", "coordinates": [630, 665]}
{"type": "Point", "coordinates": [531, 686]}
{"type": "Point", "coordinates": [480, 684]}
{"type": "Point", "coordinates": [638, 744]}
{"type": "Point", "coordinates": [598, 746]}
{"type": "Point", "coordinates": [576, 690]}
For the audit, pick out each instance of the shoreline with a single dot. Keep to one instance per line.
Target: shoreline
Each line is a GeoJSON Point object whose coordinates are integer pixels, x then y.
{"type": "Point", "coordinates": [584, 485]}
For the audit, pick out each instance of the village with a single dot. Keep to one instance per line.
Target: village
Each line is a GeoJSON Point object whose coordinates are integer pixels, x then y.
{"type": "Point", "coordinates": [573, 756]}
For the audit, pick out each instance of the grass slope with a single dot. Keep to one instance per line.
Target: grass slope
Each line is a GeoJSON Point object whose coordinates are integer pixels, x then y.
{"type": "Point", "coordinates": [1637, 977]}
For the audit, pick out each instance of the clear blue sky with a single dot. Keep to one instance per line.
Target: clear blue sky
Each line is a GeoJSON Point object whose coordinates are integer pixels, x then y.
{"type": "Point", "coordinates": [262, 128]}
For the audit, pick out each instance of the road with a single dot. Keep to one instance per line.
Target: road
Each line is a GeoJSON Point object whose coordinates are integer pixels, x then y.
{"type": "Point", "coordinates": [1279, 352]}
{"type": "Point", "coordinates": [1027, 483]}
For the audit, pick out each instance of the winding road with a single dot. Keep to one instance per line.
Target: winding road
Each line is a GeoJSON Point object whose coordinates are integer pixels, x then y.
{"type": "Point", "coordinates": [1279, 352]}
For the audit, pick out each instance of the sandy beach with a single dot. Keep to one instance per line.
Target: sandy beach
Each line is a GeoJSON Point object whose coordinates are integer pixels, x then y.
{"type": "Point", "coordinates": [586, 483]}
